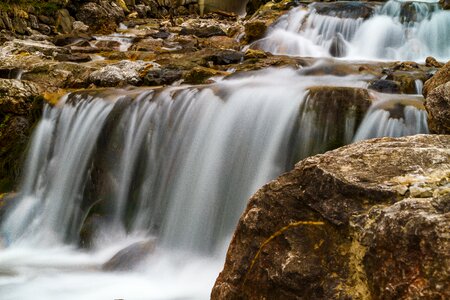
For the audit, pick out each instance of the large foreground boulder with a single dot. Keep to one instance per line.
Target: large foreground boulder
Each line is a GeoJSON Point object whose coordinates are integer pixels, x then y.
{"type": "Point", "coordinates": [366, 221]}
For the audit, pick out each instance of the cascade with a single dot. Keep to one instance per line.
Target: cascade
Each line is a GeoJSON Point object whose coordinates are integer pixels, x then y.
{"type": "Point", "coordinates": [171, 169]}
{"type": "Point", "coordinates": [398, 30]}
{"type": "Point", "coordinates": [175, 165]}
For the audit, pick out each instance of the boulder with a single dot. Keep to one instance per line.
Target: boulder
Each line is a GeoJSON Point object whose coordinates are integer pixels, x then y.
{"type": "Point", "coordinates": [224, 57]}
{"type": "Point", "coordinates": [128, 258]}
{"type": "Point", "coordinates": [385, 86]}
{"type": "Point", "coordinates": [102, 16]}
{"type": "Point", "coordinates": [254, 30]}
{"type": "Point", "coordinates": [164, 76]}
{"type": "Point", "coordinates": [120, 74]}
{"type": "Point", "coordinates": [20, 108]}
{"type": "Point", "coordinates": [366, 221]}
{"type": "Point", "coordinates": [437, 105]}
{"type": "Point", "coordinates": [345, 9]}
{"type": "Point", "coordinates": [440, 77]}
{"type": "Point", "coordinates": [203, 32]}
{"type": "Point", "coordinates": [200, 75]}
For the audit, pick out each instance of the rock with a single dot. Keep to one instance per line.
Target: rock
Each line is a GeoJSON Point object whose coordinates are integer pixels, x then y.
{"type": "Point", "coordinates": [55, 75]}
{"type": "Point", "coordinates": [385, 86]}
{"type": "Point", "coordinates": [199, 75]}
{"type": "Point", "coordinates": [80, 27]}
{"type": "Point", "coordinates": [203, 32]}
{"type": "Point", "coordinates": [331, 115]}
{"type": "Point", "coordinates": [224, 57]}
{"type": "Point", "coordinates": [365, 221]}
{"type": "Point", "coordinates": [432, 62]}
{"type": "Point", "coordinates": [254, 30]}
{"type": "Point", "coordinates": [338, 47]}
{"type": "Point", "coordinates": [251, 54]}
{"type": "Point", "coordinates": [120, 74]}
{"type": "Point", "coordinates": [445, 4]}
{"type": "Point", "coordinates": [148, 44]}
{"type": "Point", "coordinates": [78, 58]}
{"type": "Point", "coordinates": [30, 46]}
{"type": "Point", "coordinates": [128, 258]}
{"type": "Point", "coordinates": [345, 9]}
{"type": "Point", "coordinates": [102, 16]}
{"type": "Point", "coordinates": [164, 76]}
{"type": "Point", "coordinates": [437, 105]}
{"type": "Point", "coordinates": [20, 106]}
{"type": "Point", "coordinates": [64, 22]}
{"type": "Point", "coordinates": [440, 77]}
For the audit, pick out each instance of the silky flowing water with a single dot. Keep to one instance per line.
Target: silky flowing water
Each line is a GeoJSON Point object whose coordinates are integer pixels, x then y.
{"type": "Point", "coordinates": [174, 167]}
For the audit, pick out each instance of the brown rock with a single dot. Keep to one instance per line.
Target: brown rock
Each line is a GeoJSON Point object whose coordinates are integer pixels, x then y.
{"type": "Point", "coordinates": [442, 76]}
{"type": "Point", "coordinates": [20, 105]}
{"type": "Point", "coordinates": [438, 107]}
{"type": "Point", "coordinates": [432, 62]}
{"type": "Point", "coordinates": [366, 221]}
{"type": "Point", "coordinates": [199, 75]}
{"type": "Point", "coordinates": [255, 30]}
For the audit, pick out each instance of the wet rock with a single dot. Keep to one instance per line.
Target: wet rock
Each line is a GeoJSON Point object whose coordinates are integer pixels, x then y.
{"type": "Point", "coordinates": [203, 32]}
{"type": "Point", "coordinates": [64, 21]}
{"type": "Point", "coordinates": [225, 57]}
{"type": "Point", "coordinates": [120, 74]}
{"type": "Point", "coordinates": [338, 47]}
{"type": "Point", "coordinates": [332, 114]}
{"type": "Point", "coordinates": [438, 107]}
{"type": "Point", "coordinates": [440, 77]}
{"type": "Point", "coordinates": [163, 76]}
{"type": "Point", "coordinates": [148, 44]}
{"type": "Point", "coordinates": [78, 58]}
{"type": "Point", "coordinates": [102, 16]}
{"type": "Point", "coordinates": [31, 47]}
{"type": "Point", "coordinates": [20, 106]}
{"type": "Point", "coordinates": [432, 62]}
{"type": "Point", "coordinates": [112, 45]}
{"type": "Point", "coordinates": [251, 54]}
{"type": "Point", "coordinates": [55, 75]}
{"type": "Point", "coordinates": [366, 221]}
{"type": "Point", "coordinates": [255, 30]}
{"type": "Point", "coordinates": [200, 75]}
{"type": "Point", "coordinates": [345, 9]}
{"type": "Point", "coordinates": [130, 257]}
{"type": "Point", "coordinates": [406, 66]}
{"type": "Point", "coordinates": [385, 86]}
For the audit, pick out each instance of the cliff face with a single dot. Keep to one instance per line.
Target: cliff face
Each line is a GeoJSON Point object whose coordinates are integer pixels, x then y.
{"type": "Point", "coordinates": [366, 221]}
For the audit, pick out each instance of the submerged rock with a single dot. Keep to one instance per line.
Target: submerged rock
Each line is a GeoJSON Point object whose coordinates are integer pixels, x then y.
{"type": "Point", "coordinates": [128, 258]}
{"type": "Point", "coordinates": [385, 86]}
{"type": "Point", "coordinates": [366, 221]}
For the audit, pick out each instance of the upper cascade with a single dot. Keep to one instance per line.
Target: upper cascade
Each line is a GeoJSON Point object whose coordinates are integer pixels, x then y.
{"type": "Point", "coordinates": [398, 30]}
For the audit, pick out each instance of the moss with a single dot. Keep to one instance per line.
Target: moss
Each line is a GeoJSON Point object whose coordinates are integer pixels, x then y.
{"type": "Point", "coordinates": [46, 7]}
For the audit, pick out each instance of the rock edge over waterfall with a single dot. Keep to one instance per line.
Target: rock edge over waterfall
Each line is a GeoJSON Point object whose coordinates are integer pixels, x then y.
{"type": "Point", "coordinates": [365, 221]}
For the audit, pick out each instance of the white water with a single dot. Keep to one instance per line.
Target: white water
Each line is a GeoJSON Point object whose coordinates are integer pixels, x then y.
{"type": "Point", "coordinates": [390, 34]}
{"type": "Point", "coordinates": [394, 116]}
{"type": "Point", "coordinates": [177, 164]}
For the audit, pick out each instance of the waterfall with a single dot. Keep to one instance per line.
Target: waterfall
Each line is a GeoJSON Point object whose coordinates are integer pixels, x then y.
{"type": "Point", "coordinates": [394, 116]}
{"type": "Point", "coordinates": [107, 168]}
{"type": "Point", "coordinates": [398, 30]}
